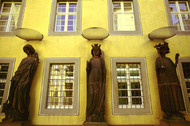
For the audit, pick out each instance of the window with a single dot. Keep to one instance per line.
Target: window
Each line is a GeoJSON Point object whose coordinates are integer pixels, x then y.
{"type": "Point", "coordinates": [6, 71]}
{"type": "Point", "coordinates": [179, 14]}
{"type": "Point", "coordinates": [65, 17]}
{"type": "Point", "coordinates": [124, 17]}
{"type": "Point", "coordinates": [60, 87]}
{"type": "Point", "coordinates": [11, 13]}
{"type": "Point", "coordinates": [130, 86]}
{"type": "Point", "coordinates": [184, 74]}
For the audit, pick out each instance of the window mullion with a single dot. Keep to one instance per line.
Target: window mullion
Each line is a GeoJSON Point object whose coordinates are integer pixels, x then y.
{"type": "Point", "coordinates": [129, 87]}
{"type": "Point", "coordinates": [10, 18]}
{"type": "Point", "coordinates": [180, 16]}
{"type": "Point", "coordinates": [66, 16]}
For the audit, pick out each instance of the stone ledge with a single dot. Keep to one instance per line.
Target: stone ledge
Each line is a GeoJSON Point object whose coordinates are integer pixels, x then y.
{"type": "Point", "coordinates": [164, 122]}
{"type": "Point", "coordinates": [95, 124]}
{"type": "Point", "coordinates": [23, 123]}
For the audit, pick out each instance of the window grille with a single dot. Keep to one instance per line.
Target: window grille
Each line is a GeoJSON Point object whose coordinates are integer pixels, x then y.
{"type": "Point", "coordinates": [9, 15]}
{"type": "Point", "coordinates": [3, 78]}
{"type": "Point", "coordinates": [66, 16]}
{"type": "Point", "coordinates": [61, 81]}
{"type": "Point", "coordinates": [180, 14]}
{"type": "Point", "coordinates": [130, 92]}
{"type": "Point", "coordinates": [123, 15]}
{"type": "Point", "coordinates": [186, 72]}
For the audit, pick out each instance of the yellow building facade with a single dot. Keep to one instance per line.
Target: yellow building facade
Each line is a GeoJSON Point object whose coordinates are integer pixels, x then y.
{"type": "Point", "coordinates": [94, 13]}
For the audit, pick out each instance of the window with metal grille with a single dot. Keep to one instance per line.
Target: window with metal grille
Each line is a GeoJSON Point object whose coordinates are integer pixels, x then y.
{"type": "Point", "coordinates": [61, 81]}
{"type": "Point", "coordinates": [130, 92]}
{"type": "Point", "coordinates": [184, 75]}
{"type": "Point", "coordinates": [9, 16]}
{"type": "Point", "coordinates": [3, 78]}
{"type": "Point", "coordinates": [180, 14]}
{"type": "Point", "coordinates": [6, 71]}
{"type": "Point", "coordinates": [123, 15]}
{"type": "Point", "coordinates": [66, 16]}
{"type": "Point", "coordinates": [130, 89]}
{"type": "Point", "coordinates": [60, 92]}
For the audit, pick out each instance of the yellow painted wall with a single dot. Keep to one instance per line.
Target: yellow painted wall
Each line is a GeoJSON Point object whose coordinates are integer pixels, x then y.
{"type": "Point", "coordinates": [94, 14]}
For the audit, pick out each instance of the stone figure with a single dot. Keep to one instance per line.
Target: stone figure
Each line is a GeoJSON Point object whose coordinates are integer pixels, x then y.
{"type": "Point", "coordinates": [96, 80]}
{"type": "Point", "coordinates": [16, 108]}
{"type": "Point", "coordinates": [169, 87]}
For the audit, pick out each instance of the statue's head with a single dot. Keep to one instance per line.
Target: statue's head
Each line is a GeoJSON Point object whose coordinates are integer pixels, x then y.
{"type": "Point", "coordinates": [96, 51]}
{"type": "Point", "coordinates": [163, 48]}
{"type": "Point", "coordinates": [28, 49]}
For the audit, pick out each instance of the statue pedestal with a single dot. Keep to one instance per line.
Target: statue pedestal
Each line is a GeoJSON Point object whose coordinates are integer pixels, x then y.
{"type": "Point", "coordinates": [95, 124]}
{"type": "Point", "coordinates": [165, 122]}
{"type": "Point", "coordinates": [22, 123]}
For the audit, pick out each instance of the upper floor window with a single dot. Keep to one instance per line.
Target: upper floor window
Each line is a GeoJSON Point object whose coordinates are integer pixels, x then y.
{"type": "Point", "coordinates": [60, 87]}
{"type": "Point", "coordinates": [11, 13]}
{"type": "Point", "coordinates": [179, 14]}
{"type": "Point", "coordinates": [6, 71]}
{"type": "Point", "coordinates": [130, 86]}
{"type": "Point", "coordinates": [124, 17]}
{"type": "Point", "coordinates": [65, 17]}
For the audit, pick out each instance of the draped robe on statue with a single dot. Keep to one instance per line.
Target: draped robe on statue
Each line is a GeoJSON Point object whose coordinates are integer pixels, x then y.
{"type": "Point", "coordinates": [169, 87]}
{"type": "Point", "coordinates": [17, 105]}
{"type": "Point", "coordinates": [96, 74]}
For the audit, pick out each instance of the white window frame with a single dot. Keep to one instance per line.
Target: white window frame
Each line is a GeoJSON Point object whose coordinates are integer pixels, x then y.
{"type": "Point", "coordinates": [52, 24]}
{"type": "Point", "coordinates": [183, 82]}
{"type": "Point", "coordinates": [11, 62]}
{"type": "Point", "coordinates": [136, 109]}
{"type": "Point", "coordinates": [20, 17]}
{"type": "Point", "coordinates": [43, 103]}
{"type": "Point", "coordinates": [66, 16]}
{"type": "Point", "coordinates": [137, 21]}
{"type": "Point", "coordinates": [123, 12]}
{"type": "Point", "coordinates": [10, 15]}
{"type": "Point", "coordinates": [179, 13]}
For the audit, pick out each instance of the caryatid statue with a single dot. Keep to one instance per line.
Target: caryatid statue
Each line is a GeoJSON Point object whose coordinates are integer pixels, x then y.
{"type": "Point", "coordinates": [96, 81]}
{"type": "Point", "coordinates": [169, 87]}
{"type": "Point", "coordinates": [16, 108]}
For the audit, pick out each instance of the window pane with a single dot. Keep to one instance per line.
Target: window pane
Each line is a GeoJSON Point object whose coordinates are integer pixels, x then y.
{"type": "Point", "coordinates": [186, 21]}
{"type": "Point", "coordinates": [6, 7]}
{"type": "Point", "coordinates": [136, 101]}
{"type": "Point", "coordinates": [127, 7]}
{"type": "Point", "coordinates": [123, 101]}
{"type": "Point", "coordinates": [116, 7]}
{"type": "Point", "coordinates": [16, 8]}
{"type": "Point", "coordinates": [124, 22]}
{"type": "Point", "coordinates": [61, 7]}
{"type": "Point", "coordinates": [173, 7]}
{"type": "Point", "coordinates": [72, 7]}
{"type": "Point", "coordinates": [183, 6]}
{"type": "Point", "coordinates": [70, 28]}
